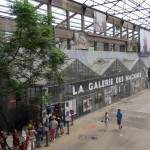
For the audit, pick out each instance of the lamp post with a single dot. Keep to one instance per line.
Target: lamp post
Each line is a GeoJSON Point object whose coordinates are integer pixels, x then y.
{"type": "Point", "coordinates": [41, 112]}
{"type": "Point", "coordinates": [46, 131]}
{"type": "Point", "coordinates": [45, 91]}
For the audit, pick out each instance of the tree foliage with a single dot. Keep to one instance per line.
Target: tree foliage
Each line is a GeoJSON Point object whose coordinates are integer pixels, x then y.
{"type": "Point", "coordinates": [28, 55]}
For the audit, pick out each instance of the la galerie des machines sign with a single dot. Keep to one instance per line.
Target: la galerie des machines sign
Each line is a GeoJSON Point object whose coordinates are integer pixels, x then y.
{"type": "Point", "coordinates": [104, 83]}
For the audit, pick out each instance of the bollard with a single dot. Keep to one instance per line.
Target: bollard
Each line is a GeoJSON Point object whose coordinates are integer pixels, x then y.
{"type": "Point", "coordinates": [46, 131]}
{"type": "Point", "coordinates": [47, 145]}
{"type": "Point", "coordinates": [68, 128]}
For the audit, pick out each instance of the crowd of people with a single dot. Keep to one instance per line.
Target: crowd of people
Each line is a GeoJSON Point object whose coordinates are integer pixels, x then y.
{"type": "Point", "coordinates": [3, 143]}
{"type": "Point", "coordinates": [32, 134]}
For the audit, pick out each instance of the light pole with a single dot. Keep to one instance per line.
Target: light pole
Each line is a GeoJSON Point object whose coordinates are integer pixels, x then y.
{"type": "Point", "coordinates": [46, 131]}
{"type": "Point", "coordinates": [45, 91]}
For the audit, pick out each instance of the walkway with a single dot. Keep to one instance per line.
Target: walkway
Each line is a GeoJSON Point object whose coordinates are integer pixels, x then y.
{"type": "Point", "coordinates": [88, 132]}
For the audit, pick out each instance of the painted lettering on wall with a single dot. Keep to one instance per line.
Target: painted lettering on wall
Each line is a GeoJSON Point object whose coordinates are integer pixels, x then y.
{"type": "Point", "coordinates": [104, 82]}
{"type": "Point", "coordinates": [133, 76]}
{"type": "Point", "coordinates": [77, 91]}
{"type": "Point", "coordinates": [99, 84]}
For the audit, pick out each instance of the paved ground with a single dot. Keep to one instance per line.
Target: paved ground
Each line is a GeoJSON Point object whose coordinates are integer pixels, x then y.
{"type": "Point", "coordinates": [88, 132]}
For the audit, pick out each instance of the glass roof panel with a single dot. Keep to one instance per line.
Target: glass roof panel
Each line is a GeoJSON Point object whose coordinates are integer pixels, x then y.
{"type": "Point", "coordinates": [134, 11]}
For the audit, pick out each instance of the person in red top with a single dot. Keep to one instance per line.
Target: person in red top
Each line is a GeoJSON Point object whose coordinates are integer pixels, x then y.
{"type": "Point", "coordinates": [15, 140]}
{"type": "Point", "coordinates": [1, 140]}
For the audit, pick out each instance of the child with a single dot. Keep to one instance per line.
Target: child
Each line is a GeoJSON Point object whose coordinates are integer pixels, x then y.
{"type": "Point", "coordinates": [28, 141]}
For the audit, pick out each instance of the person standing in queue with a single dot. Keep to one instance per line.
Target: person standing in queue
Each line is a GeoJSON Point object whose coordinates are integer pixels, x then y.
{"type": "Point", "coordinates": [53, 127]}
{"type": "Point", "coordinates": [3, 141]}
{"type": "Point", "coordinates": [38, 135]}
{"type": "Point", "coordinates": [15, 139]}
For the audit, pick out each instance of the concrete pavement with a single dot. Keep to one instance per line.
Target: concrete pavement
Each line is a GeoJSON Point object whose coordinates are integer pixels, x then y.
{"type": "Point", "coordinates": [88, 133]}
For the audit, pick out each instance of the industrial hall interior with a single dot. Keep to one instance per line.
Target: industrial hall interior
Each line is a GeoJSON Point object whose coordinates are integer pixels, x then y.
{"type": "Point", "coordinates": [107, 56]}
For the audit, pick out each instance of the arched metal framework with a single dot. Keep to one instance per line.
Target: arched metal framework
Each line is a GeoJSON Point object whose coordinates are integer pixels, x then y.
{"type": "Point", "coordinates": [134, 11]}
{"type": "Point", "coordinates": [77, 16]}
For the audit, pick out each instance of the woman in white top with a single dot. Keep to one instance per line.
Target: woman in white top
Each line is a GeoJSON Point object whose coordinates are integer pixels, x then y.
{"type": "Point", "coordinates": [24, 133]}
{"type": "Point", "coordinates": [105, 120]}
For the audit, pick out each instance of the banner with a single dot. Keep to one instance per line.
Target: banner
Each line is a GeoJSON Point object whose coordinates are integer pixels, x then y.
{"type": "Point", "coordinates": [87, 105]}
{"type": "Point", "coordinates": [70, 106]}
{"type": "Point", "coordinates": [99, 22]}
{"type": "Point", "coordinates": [81, 41]}
{"type": "Point", "coordinates": [144, 42]}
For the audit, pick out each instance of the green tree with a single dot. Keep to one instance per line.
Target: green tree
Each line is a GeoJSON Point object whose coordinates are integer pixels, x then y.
{"type": "Point", "coordinates": [28, 55]}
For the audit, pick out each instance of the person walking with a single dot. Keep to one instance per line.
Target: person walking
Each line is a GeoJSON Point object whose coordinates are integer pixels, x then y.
{"type": "Point", "coordinates": [119, 118]}
{"type": "Point", "coordinates": [105, 120]}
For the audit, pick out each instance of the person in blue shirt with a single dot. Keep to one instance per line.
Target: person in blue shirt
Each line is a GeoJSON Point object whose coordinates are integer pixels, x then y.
{"type": "Point", "coordinates": [119, 118]}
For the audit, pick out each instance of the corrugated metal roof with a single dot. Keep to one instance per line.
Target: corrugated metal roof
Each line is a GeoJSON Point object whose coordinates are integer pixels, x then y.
{"type": "Point", "coordinates": [101, 65]}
